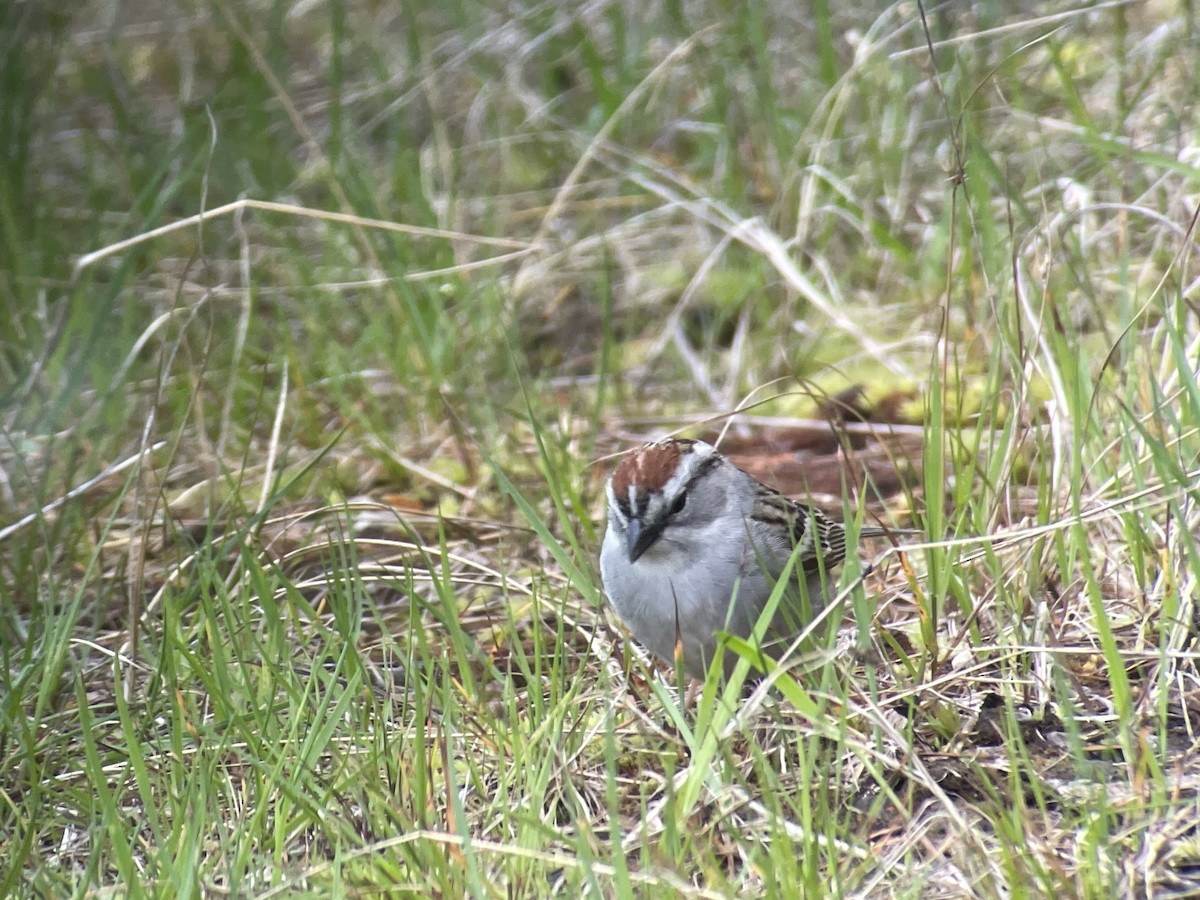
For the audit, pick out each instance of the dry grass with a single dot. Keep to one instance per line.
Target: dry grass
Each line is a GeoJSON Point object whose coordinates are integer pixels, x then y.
{"type": "Point", "coordinates": [298, 585]}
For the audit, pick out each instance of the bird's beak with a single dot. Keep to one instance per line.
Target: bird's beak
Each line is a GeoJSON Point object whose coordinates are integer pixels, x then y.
{"type": "Point", "coordinates": [639, 539]}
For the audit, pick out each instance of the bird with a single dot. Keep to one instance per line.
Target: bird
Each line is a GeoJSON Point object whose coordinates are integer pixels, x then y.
{"type": "Point", "coordinates": [694, 546]}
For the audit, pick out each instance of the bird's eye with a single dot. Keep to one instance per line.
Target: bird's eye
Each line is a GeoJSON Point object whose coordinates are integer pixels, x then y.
{"type": "Point", "coordinates": [679, 504]}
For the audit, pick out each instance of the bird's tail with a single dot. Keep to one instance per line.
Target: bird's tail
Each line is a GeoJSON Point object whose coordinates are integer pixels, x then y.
{"type": "Point", "coordinates": [873, 531]}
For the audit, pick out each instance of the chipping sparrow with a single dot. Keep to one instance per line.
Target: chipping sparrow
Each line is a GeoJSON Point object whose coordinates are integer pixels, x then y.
{"type": "Point", "coordinates": [694, 546]}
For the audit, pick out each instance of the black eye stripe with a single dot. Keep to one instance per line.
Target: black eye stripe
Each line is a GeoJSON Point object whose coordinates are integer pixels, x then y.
{"type": "Point", "coordinates": [702, 469]}
{"type": "Point", "coordinates": [709, 462]}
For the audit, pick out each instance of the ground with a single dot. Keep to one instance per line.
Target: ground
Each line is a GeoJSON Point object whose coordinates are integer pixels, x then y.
{"type": "Point", "coordinates": [324, 324]}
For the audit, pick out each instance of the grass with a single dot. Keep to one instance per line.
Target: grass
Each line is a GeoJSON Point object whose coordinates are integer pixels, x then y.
{"type": "Point", "coordinates": [322, 323]}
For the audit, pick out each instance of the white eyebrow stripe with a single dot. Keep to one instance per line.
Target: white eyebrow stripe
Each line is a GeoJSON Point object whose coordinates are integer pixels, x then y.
{"type": "Point", "coordinates": [698, 456]}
